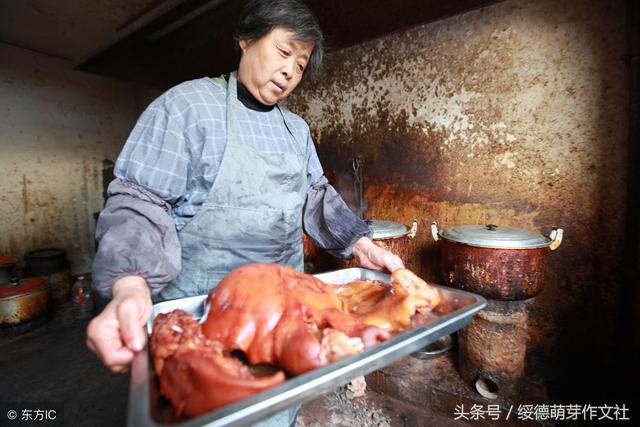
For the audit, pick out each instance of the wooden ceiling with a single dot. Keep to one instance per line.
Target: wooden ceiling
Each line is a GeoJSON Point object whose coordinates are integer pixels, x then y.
{"type": "Point", "coordinates": [179, 40]}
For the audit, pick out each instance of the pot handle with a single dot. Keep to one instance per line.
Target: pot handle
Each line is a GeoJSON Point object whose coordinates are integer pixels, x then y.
{"type": "Point", "coordinates": [414, 229]}
{"type": "Point", "coordinates": [556, 238]}
{"type": "Point", "coordinates": [434, 231]}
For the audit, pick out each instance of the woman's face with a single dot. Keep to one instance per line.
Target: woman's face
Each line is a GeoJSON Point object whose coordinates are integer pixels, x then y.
{"type": "Point", "coordinates": [273, 65]}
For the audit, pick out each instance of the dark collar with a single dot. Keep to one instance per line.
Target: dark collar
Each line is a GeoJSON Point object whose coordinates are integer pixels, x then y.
{"type": "Point", "coordinates": [249, 100]}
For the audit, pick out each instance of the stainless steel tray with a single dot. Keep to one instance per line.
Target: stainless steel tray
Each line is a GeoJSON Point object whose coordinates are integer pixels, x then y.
{"type": "Point", "coordinates": [146, 408]}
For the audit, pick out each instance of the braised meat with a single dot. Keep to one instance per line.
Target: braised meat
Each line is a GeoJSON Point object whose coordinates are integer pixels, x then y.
{"type": "Point", "coordinates": [389, 307]}
{"type": "Point", "coordinates": [277, 316]}
{"type": "Point", "coordinates": [195, 374]}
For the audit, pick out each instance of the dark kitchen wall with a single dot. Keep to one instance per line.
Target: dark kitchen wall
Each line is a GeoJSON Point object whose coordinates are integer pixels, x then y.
{"type": "Point", "coordinates": [515, 114]}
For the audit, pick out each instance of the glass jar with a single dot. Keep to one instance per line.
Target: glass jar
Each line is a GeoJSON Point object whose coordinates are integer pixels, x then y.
{"type": "Point", "coordinates": [82, 297]}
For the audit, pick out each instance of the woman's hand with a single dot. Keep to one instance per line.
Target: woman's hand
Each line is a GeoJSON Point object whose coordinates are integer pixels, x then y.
{"type": "Point", "coordinates": [117, 333]}
{"type": "Point", "coordinates": [370, 255]}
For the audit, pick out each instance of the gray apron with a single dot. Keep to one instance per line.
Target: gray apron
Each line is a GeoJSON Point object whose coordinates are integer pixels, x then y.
{"type": "Point", "coordinates": [253, 213]}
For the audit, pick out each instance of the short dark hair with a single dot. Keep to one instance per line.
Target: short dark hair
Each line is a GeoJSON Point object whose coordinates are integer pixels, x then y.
{"type": "Point", "coordinates": [259, 17]}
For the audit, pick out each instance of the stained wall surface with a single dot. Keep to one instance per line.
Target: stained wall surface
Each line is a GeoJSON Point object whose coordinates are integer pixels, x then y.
{"type": "Point", "coordinates": [57, 126]}
{"type": "Point", "coordinates": [514, 114]}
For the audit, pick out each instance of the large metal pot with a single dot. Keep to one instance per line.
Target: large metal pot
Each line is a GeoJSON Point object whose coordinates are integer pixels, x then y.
{"type": "Point", "coordinates": [23, 300]}
{"type": "Point", "coordinates": [391, 236]}
{"type": "Point", "coordinates": [53, 264]}
{"type": "Point", "coordinates": [501, 263]}
{"type": "Point", "coordinates": [7, 267]}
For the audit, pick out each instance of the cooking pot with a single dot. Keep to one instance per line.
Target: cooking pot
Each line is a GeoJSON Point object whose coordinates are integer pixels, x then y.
{"type": "Point", "coordinates": [391, 236]}
{"type": "Point", "coordinates": [53, 264]}
{"type": "Point", "coordinates": [23, 300]}
{"type": "Point", "coordinates": [501, 263]}
{"type": "Point", "coordinates": [7, 266]}
{"type": "Point", "coordinates": [316, 260]}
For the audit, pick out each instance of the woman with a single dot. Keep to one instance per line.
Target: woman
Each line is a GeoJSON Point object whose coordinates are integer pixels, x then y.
{"type": "Point", "coordinates": [214, 175]}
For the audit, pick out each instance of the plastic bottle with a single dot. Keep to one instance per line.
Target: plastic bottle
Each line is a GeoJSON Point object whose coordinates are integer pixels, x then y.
{"type": "Point", "coordinates": [82, 298]}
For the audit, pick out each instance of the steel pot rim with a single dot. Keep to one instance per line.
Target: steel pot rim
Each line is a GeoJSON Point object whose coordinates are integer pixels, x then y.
{"type": "Point", "coordinates": [25, 294]}
{"type": "Point", "coordinates": [540, 246]}
{"type": "Point", "coordinates": [392, 229]}
{"type": "Point", "coordinates": [552, 241]}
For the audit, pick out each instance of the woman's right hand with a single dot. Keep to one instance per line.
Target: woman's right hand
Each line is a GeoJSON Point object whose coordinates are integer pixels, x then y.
{"type": "Point", "coordinates": [119, 332]}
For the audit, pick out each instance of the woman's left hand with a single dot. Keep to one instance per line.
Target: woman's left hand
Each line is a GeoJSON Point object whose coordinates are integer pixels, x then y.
{"type": "Point", "coordinates": [370, 255]}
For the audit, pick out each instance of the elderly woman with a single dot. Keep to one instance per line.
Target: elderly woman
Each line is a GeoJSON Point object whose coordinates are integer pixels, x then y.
{"type": "Point", "coordinates": [217, 174]}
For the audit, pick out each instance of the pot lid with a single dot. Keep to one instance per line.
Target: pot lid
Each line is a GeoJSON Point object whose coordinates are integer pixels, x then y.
{"type": "Point", "coordinates": [497, 237]}
{"type": "Point", "coordinates": [45, 254]}
{"type": "Point", "coordinates": [386, 229]}
{"type": "Point", "coordinates": [21, 287]}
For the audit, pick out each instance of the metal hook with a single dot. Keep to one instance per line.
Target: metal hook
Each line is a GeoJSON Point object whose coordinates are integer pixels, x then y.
{"type": "Point", "coordinates": [355, 165]}
{"type": "Point", "coordinates": [357, 173]}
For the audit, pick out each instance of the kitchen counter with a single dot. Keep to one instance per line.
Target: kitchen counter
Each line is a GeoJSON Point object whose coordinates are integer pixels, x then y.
{"type": "Point", "coordinates": [52, 364]}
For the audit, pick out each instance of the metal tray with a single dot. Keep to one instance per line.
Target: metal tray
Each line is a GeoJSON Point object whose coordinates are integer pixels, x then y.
{"type": "Point", "coordinates": [146, 408]}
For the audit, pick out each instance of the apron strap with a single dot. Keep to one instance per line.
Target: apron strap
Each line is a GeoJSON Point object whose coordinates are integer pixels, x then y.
{"type": "Point", "coordinates": [302, 144]}
{"type": "Point", "coordinates": [222, 81]}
